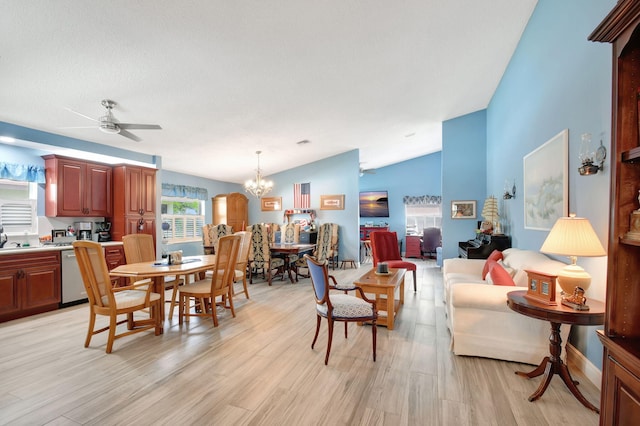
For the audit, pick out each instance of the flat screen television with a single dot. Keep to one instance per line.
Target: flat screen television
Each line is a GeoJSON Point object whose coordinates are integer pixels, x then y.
{"type": "Point", "coordinates": [374, 204]}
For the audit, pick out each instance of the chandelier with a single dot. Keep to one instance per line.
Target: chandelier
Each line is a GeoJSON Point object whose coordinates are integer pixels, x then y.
{"type": "Point", "coordinates": [258, 187]}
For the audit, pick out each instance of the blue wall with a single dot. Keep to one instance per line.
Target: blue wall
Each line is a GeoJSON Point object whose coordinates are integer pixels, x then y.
{"type": "Point", "coordinates": [419, 176]}
{"type": "Point", "coordinates": [464, 170]}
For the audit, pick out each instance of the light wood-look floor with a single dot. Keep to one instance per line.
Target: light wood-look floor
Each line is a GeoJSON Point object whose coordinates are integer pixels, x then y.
{"type": "Point", "coordinates": [259, 369]}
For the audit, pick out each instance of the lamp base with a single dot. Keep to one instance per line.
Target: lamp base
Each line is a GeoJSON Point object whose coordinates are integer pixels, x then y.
{"type": "Point", "coordinates": [572, 276]}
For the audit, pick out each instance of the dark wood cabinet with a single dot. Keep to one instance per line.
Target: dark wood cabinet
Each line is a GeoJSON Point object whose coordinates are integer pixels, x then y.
{"type": "Point", "coordinates": [414, 248]}
{"type": "Point", "coordinates": [231, 209]}
{"type": "Point", "coordinates": [114, 256]}
{"type": "Point", "coordinates": [76, 188]}
{"type": "Point", "coordinates": [134, 201]}
{"type": "Point", "coordinates": [29, 284]}
{"type": "Point", "coordinates": [620, 400]}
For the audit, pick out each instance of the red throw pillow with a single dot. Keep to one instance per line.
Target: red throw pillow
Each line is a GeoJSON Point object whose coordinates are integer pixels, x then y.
{"type": "Point", "coordinates": [495, 256]}
{"type": "Point", "coordinates": [499, 275]}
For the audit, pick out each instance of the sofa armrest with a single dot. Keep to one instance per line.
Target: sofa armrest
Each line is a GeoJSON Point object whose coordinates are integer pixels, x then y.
{"type": "Point", "coordinates": [487, 297]}
{"type": "Point", "coordinates": [463, 266]}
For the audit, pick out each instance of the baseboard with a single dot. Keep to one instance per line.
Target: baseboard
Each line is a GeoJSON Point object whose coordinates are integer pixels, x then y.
{"type": "Point", "coordinates": [580, 362]}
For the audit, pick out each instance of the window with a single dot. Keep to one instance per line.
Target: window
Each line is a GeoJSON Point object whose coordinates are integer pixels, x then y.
{"type": "Point", "coordinates": [18, 207]}
{"type": "Point", "coordinates": [182, 219]}
{"type": "Point", "coordinates": [423, 216]}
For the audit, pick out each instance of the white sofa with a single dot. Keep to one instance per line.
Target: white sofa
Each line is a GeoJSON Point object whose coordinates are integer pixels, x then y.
{"type": "Point", "coordinates": [481, 323]}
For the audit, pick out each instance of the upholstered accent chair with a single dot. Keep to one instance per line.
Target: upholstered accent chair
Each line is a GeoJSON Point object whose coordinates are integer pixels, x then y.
{"type": "Point", "coordinates": [384, 248]}
{"type": "Point", "coordinates": [110, 301]}
{"type": "Point", "coordinates": [431, 240]}
{"type": "Point", "coordinates": [139, 248]}
{"type": "Point", "coordinates": [335, 306]}
{"type": "Point", "coordinates": [260, 254]}
{"type": "Point", "coordinates": [326, 246]}
{"type": "Point", "coordinates": [211, 234]}
{"type": "Point", "coordinates": [219, 284]}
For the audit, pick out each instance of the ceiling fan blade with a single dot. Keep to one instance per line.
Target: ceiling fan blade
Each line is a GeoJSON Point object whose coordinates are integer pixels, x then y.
{"type": "Point", "coordinates": [129, 135]}
{"type": "Point", "coordinates": [139, 126]}
{"type": "Point", "coordinates": [78, 127]}
{"type": "Point", "coordinates": [80, 114]}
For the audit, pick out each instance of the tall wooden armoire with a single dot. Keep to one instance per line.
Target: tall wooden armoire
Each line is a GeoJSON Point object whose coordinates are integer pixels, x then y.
{"type": "Point", "coordinates": [231, 209]}
{"type": "Point", "coordinates": [620, 400]}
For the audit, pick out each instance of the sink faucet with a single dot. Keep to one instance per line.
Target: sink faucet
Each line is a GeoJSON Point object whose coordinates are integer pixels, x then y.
{"type": "Point", "coordinates": [3, 237]}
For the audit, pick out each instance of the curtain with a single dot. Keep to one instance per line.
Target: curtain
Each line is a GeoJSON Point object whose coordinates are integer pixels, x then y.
{"type": "Point", "coordinates": [184, 191]}
{"type": "Point", "coordinates": [422, 200]}
{"type": "Point", "coordinates": [22, 172]}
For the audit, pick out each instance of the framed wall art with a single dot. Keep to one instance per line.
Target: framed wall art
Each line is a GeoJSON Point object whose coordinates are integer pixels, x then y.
{"type": "Point", "coordinates": [271, 204]}
{"type": "Point", "coordinates": [332, 202]}
{"type": "Point", "coordinates": [463, 209]}
{"type": "Point", "coordinates": [546, 183]}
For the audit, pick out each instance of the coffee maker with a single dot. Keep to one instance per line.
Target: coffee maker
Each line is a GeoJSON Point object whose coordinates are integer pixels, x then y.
{"type": "Point", "coordinates": [104, 231]}
{"type": "Point", "coordinates": [83, 230]}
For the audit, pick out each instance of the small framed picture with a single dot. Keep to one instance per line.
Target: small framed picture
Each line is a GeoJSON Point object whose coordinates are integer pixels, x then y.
{"type": "Point", "coordinates": [271, 204]}
{"type": "Point", "coordinates": [57, 233]}
{"type": "Point", "coordinates": [463, 209]}
{"type": "Point", "coordinates": [332, 202]}
{"type": "Point", "coordinates": [541, 287]}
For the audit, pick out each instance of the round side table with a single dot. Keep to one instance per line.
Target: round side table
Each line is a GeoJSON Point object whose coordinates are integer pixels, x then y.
{"type": "Point", "coordinates": [556, 315]}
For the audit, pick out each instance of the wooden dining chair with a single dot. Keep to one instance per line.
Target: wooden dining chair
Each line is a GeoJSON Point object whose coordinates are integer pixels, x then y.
{"type": "Point", "coordinates": [140, 248]}
{"type": "Point", "coordinates": [243, 261]}
{"type": "Point", "coordinates": [205, 291]}
{"type": "Point", "coordinates": [336, 306]}
{"type": "Point", "coordinates": [110, 301]}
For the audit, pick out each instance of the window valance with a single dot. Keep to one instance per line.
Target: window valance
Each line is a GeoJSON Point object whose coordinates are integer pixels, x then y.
{"type": "Point", "coordinates": [184, 191]}
{"type": "Point", "coordinates": [422, 200]}
{"type": "Point", "coordinates": [22, 172]}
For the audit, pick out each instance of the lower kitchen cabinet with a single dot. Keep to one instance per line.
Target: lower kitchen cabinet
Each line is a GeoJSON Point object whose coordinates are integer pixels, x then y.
{"type": "Point", "coordinates": [29, 284]}
{"type": "Point", "coordinates": [114, 256]}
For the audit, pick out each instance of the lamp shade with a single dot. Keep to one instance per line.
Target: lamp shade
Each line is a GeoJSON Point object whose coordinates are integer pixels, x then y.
{"type": "Point", "coordinates": [573, 236]}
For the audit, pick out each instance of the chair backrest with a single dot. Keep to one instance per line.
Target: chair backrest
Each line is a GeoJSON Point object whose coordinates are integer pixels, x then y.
{"type": "Point", "coordinates": [384, 246]}
{"type": "Point", "coordinates": [272, 229]}
{"type": "Point", "coordinates": [243, 250]}
{"type": "Point", "coordinates": [138, 248]}
{"type": "Point", "coordinates": [327, 244]}
{"type": "Point", "coordinates": [259, 254]}
{"type": "Point", "coordinates": [226, 258]}
{"type": "Point", "coordinates": [94, 271]}
{"type": "Point", "coordinates": [431, 238]}
{"type": "Point", "coordinates": [319, 279]}
{"type": "Point", "coordinates": [290, 233]}
{"type": "Point", "coordinates": [212, 233]}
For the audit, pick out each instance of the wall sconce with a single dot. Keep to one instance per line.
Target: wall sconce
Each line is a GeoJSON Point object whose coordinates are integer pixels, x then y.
{"type": "Point", "coordinates": [509, 193]}
{"type": "Point", "coordinates": [589, 157]}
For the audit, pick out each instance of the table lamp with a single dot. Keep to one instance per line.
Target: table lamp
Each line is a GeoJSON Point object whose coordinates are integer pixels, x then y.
{"type": "Point", "coordinates": [573, 236]}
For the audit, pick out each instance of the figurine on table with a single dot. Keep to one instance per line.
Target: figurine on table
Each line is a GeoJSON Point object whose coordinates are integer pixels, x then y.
{"type": "Point", "coordinates": [577, 300]}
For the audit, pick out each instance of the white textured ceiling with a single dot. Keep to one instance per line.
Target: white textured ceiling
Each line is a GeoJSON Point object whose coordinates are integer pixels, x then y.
{"type": "Point", "coordinates": [227, 78]}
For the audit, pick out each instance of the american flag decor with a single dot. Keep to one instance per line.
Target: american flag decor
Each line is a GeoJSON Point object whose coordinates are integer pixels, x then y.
{"type": "Point", "coordinates": [301, 195]}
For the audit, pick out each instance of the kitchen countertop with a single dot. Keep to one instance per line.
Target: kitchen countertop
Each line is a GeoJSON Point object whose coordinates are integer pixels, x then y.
{"type": "Point", "coordinates": [43, 248]}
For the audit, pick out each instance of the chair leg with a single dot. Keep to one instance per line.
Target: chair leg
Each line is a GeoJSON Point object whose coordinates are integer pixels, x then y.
{"type": "Point", "coordinates": [158, 317]}
{"type": "Point", "coordinates": [244, 284]}
{"type": "Point", "coordinates": [326, 358]}
{"type": "Point", "coordinates": [373, 333]}
{"type": "Point", "coordinates": [233, 312]}
{"type": "Point", "coordinates": [113, 323]}
{"type": "Point", "coordinates": [214, 313]}
{"type": "Point", "coordinates": [173, 298]}
{"type": "Point", "coordinates": [180, 308]}
{"type": "Point", "coordinates": [414, 281]}
{"type": "Point", "coordinates": [319, 319]}
{"type": "Point", "coordinates": [345, 329]}
{"type": "Point", "coordinates": [92, 324]}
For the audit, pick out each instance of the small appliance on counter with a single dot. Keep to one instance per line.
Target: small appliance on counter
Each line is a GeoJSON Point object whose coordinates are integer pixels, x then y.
{"type": "Point", "coordinates": [103, 229]}
{"type": "Point", "coordinates": [83, 230]}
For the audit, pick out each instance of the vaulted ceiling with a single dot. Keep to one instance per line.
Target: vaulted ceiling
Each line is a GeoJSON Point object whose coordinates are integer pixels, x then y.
{"type": "Point", "coordinates": [227, 78]}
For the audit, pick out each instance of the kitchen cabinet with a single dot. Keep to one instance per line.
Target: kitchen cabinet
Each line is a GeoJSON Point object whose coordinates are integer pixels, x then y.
{"type": "Point", "coordinates": [76, 188]}
{"type": "Point", "coordinates": [231, 209]}
{"type": "Point", "coordinates": [620, 400]}
{"type": "Point", "coordinates": [134, 201]}
{"type": "Point", "coordinates": [29, 284]}
{"type": "Point", "coordinates": [114, 256]}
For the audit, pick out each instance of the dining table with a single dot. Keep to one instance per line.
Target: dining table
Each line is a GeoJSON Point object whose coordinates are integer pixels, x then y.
{"type": "Point", "coordinates": [284, 250]}
{"type": "Point", "coordinates": [159, 269]}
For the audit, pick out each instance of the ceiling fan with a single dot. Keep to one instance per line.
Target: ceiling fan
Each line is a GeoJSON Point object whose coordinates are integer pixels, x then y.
{"type": "Point", "coordinates": [367, 171]}
{"type": "Point", "coordinates": [109, 124]}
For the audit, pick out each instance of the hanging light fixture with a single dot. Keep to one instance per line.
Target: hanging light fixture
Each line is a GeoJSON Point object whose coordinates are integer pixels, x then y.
{"type": "Point", "coordinates": [259, 186]}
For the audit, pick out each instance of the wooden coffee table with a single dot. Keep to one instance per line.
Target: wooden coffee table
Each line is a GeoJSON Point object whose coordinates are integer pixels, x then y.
{"type": "Point", "coordinates": [380, 285]}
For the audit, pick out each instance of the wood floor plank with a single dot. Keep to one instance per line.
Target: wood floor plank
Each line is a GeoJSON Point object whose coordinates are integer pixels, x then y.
{"type": "Point", "coordinates": [259, 369]}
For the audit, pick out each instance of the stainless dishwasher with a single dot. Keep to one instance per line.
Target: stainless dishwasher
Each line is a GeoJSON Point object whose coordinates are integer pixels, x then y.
{"type": "Point", "coordinates": [73, 291]}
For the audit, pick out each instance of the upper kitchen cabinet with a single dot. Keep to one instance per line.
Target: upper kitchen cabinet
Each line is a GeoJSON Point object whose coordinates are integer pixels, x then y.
{"type": "Point", "coordinates": [134, 202]}
{"type": "Point", "coordinates": [77, 188]}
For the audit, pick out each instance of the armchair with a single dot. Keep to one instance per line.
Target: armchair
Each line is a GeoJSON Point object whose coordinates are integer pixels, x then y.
{"type": "Point", "coordinates": [384, 248]}
{"type": "Point", "coordinates": [431, 240]}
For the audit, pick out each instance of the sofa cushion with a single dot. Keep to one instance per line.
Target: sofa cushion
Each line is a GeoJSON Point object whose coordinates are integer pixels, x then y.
{"type": "Point", "coordinates": [494, 256]}
{"type": "Point", "coordinates": [498, 275]}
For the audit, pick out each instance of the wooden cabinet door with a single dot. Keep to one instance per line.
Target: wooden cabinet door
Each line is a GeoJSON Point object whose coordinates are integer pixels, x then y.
{"type": "Point", "coordinates": [114, 256]}
{"type": "Point", "coordinates": [41, 286]}
{"type": "Point", "coordinates": [98, 190]}
{"type": "Point", "coordinates": [9, 292]}
{"type": "Point", "coordinates": [148, 193]}
{"type": "Point", "coordinates": [132, 191]}
{"type": "Point", "coordinates": [70, 188]}
{"type": "Point", "coordinates": [237, 211]}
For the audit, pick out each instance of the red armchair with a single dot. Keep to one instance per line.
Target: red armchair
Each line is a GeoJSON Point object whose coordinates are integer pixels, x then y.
{"type": "Point", "coordinates": [384, 248]}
